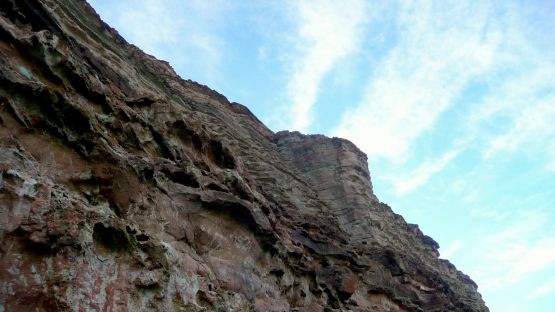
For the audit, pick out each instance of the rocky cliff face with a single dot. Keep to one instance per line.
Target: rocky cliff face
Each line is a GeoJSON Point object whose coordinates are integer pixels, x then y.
{"type": "Point", "coordinates": [125, 188]}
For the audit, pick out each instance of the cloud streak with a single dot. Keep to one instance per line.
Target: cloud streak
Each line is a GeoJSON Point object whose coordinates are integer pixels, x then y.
{"type": "Point", "coordinates": [521, 249]}
{"type": "Point", "coordinates": [419, 176]}
{"type": "Point", "coordinates": [545, 289]}
{"type": "Point", "coordinates": [327, 31]}
{"type": "Point", "coordinates": [438, 53]}
{"type": "Point", "coordinates": [185, 33]}
{"type": "Point", "coordinates": [451, 249]}
{"type": "Point", "coordinates": [531, 124]}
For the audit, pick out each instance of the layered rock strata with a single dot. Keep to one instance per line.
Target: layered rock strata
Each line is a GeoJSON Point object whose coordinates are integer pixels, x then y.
{"type": "Point", "coordinates": [125, 188]}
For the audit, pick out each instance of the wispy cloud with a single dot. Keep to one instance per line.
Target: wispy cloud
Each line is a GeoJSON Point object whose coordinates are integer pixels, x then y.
{"type": "Point", "coordinates": [545, 289]}
{"type": "Point", "coordinates": [419, 176]}
{"type": "Point", "coordinates": [185, 33]}
{"type": "Point", "coordinates": [516, 115]}
{"type": "Point", "coordinates": [518, 261]}
{"type": "Point", "coordinates": [532, 125]}
{"type": "Point", "coordinates": [438, 53]}
{"type": "Point", "coordinates": [521, 249]}
{"type": "Point", "coordinates": [493, 214]}
{"type": "Point", "coordinates": [327, 31]}
{"type": "Point", "coordinates": [451, 249]}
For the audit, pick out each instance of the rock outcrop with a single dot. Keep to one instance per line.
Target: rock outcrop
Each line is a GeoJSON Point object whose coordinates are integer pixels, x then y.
{"type": "Point", "coordinates": [125, 188]}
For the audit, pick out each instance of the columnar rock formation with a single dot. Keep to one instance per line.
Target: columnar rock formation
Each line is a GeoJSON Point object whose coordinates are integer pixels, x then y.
{"type": "Point", "coordinates": [125, 188]}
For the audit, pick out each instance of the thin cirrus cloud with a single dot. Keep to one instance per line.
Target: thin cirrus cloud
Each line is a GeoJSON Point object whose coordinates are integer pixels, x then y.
{"type": "Point", "coordinates": [420, 176]}
{"type": "Point", "coordinates": [518, 251]}
{"type": "Point", "coordinates": [326, 32]}
{"type": "Point", "coordinates": [534, 124]}
{"type": "Point", "coordinates": [524, 99]}
{"type": "Point", "coordinates": [451, 249]}
{"type": "Point", "coordinates": [545, 289]}
{"type": "Point", "coordinates": [438, 53]}
{"type": "Point", "coordinates": [187, 33]}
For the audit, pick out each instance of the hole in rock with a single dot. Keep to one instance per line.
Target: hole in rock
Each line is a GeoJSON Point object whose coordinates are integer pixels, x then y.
{"type": "Point", "coordinates": [187, 135]}
{"type": "Point", "coordinates": [220, 155]}
{"type": "Point", "coordinates": [109, 239]}
{"type": "Point", "coordinates": [142, 238]}
{"type": "Point", "coordinates": [215, 187]}
{"type": "Point", "coordinates": [182, 177]}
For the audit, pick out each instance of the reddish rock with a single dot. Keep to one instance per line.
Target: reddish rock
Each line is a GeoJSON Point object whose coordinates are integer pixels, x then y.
{"type": "Point", "coordinates": [349, 284]}
{"type": "Point", "coordinates": [126, 188]}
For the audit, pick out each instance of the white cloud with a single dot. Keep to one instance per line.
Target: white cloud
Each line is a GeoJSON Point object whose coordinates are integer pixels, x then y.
{"type": "Point", "coordinates": [514, 254]}
{"type": "Point", "coordinates": [148, 24]}
{"type": "Point", "coordinates": [493, 214]}
{"type": "Point", "coordinates": [519, 110]}
{"type": "Point", "coordinates": [450, 250]}
{"type": "Point", "coordinates": [419, 176]}
{"type": "Point", "coordinates": [327, 32]}
{"type": "Point", "coordinates": [550, 151]}
{"type": "Point", "coordinates": [184, 33]}
{"type": "Point", "coordinates": [518, 261]}
{"type": "Point", "coordinates": [530, 260]}
{"type": "Point", "coordinates": [533, 124]}
{"type": "Point", "coordinates": [438, 53]}
{"type": "Point", "coordinates": [545, 289]}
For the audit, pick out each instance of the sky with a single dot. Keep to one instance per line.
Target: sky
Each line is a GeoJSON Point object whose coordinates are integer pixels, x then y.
{"type": "Point", "coordinates": [452, 101]}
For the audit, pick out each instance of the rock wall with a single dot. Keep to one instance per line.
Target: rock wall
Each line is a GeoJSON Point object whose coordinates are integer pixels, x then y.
{"type": "Point", "coordinates": [125, 188]}
{"type": "Point", "coordinates": [338, 171]}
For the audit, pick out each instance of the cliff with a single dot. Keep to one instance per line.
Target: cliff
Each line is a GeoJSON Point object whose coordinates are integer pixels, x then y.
{"type": "Point", "coordinates": [125, 188]}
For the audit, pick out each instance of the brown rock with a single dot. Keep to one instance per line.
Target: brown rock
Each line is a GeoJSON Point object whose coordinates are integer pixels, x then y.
{"type": "Point", "coordinates": [125, 188]}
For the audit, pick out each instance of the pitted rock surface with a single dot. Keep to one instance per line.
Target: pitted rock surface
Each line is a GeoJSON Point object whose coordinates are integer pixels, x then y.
{"type": "Point", "coordinates": [126, 188]}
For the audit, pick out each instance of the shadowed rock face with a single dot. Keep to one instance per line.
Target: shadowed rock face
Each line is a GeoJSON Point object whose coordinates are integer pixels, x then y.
{"type": "Point", "coordinates": [124, 187]}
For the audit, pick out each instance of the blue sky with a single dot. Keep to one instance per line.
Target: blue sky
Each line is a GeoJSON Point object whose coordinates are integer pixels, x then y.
{"type": "Point", "coordinates": [453, 101]}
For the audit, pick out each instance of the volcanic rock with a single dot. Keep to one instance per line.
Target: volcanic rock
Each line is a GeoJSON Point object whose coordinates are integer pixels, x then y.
{"type": "Point", "coordinates": [126, 188]}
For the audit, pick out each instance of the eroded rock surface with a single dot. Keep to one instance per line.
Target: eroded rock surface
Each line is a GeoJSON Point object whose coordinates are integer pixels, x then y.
{"type": "Point", "coordinates": [125, 188]}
